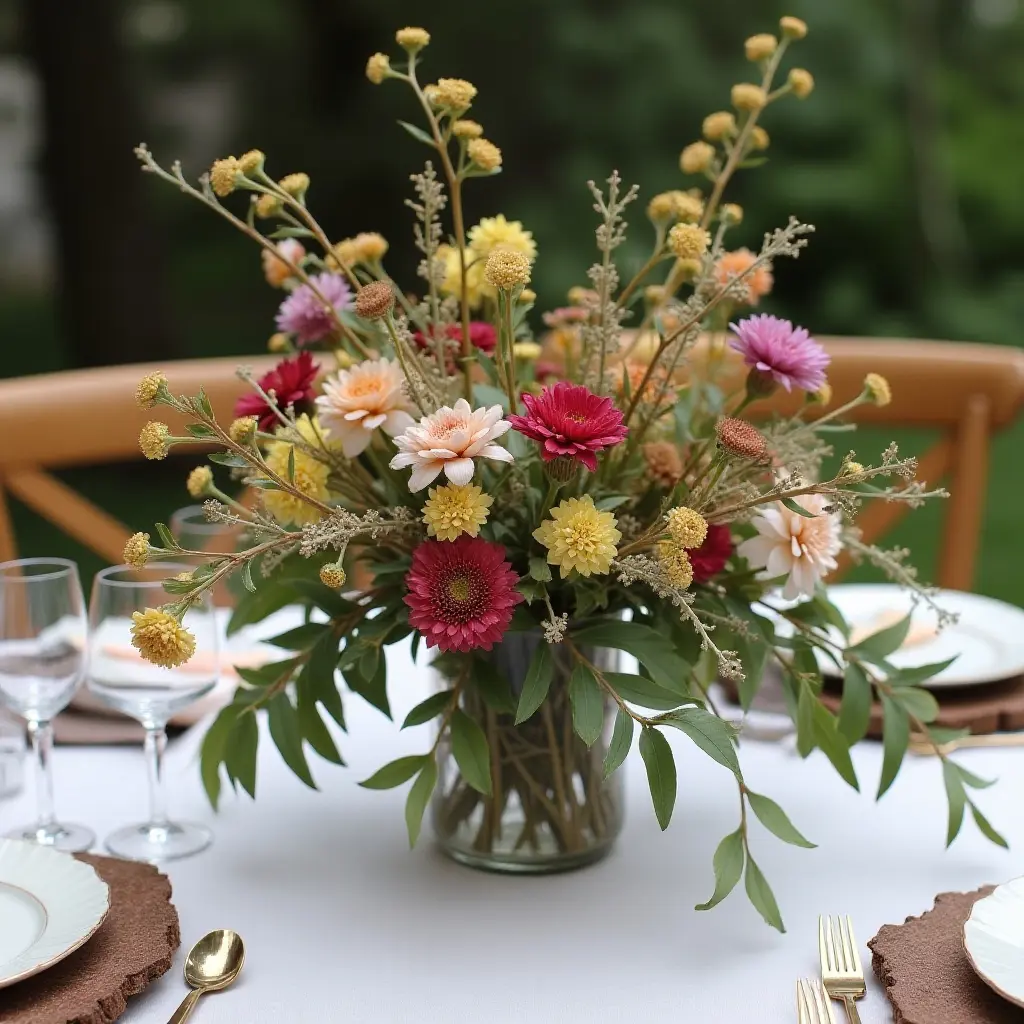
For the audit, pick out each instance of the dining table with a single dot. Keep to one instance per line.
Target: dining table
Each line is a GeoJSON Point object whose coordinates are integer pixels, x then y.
{"type": "Point", "coordinates": [343, 922]}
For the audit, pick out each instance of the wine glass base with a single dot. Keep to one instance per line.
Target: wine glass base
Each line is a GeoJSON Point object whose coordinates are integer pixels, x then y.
{"type": "Point", "coordinates": [152, 843]}
{"type": "Point", "coordinates": [59, 835]}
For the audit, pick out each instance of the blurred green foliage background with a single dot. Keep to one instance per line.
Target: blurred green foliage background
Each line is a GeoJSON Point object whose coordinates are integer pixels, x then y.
{"type": "Point", "coordinates": [906, 157]}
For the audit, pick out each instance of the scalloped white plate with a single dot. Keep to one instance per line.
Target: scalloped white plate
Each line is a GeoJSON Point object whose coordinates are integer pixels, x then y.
{"type": "Point", "coordinates": [994, 940]}
{"type": "Point", "coordinates": [50, 904]}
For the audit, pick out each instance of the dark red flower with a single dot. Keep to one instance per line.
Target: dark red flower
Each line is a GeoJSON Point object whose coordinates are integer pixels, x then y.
{"type": "Point", "coordinates": [461, 593]}
{"type": "Point", "coordinates": [291, 381]}
{"type": "Point", "coordinates": [571, 422]}
{"type": "Point", "coordinates": [481, 334]}
{"type": "Point", "coordinates": [709, 559]}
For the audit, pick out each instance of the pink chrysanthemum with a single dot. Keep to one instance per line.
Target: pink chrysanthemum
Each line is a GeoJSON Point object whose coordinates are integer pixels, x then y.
{"type": "Point", "coordinates": [305, 316]}
{"type": "Point", "coordinates": [291, 382]}
{"type": "Point", "coordinates": [570, 422]}
{"type": "Point", "coordinates": [461, 593]}
{"type": "Point", "coordinates": [787, 354]}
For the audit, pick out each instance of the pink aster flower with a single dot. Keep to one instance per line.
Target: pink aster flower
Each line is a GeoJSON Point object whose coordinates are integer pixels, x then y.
{"type": "Point", "coordinates": [450, 439]}
{"type": "Point", "coordinates": [570, 422]}
{"type": "Point", "coordinates": [305, 316]}
{"type": "Point", "coordinates": [290, 382]}
{"type": "Point", "coordinates": [461, 593]}
{"type": "Point", "coordinates": [786, 354]}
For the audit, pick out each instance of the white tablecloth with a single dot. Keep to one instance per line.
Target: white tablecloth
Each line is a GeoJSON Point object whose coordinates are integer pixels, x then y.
{"type": "Point", "coordinates": [342, 922]}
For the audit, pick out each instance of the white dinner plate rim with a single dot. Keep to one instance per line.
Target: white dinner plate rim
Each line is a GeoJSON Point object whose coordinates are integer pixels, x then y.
{"type": "Point", "coordinates": [1017, 1000]}
{"type": "Point", "coordinates": [69, 923]}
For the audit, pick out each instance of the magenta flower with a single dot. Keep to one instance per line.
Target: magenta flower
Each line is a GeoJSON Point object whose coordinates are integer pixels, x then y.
{"type": "Point", "coordinates": [777, 349]}
{"type": "Point", "coordinates": [570, 422]}
{"type": "Point", "coordinates": [305, 316]}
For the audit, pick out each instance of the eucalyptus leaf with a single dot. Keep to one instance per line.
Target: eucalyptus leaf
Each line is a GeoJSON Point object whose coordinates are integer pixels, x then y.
{"type": "Point", "coordinates": [883, 643]}
{"type": "Point", "coordinates": [728, 865]}
{"type": "Point", "coordinates": [394, 773]}
{"type": "Point", "coordinates": [956, 797]}
{"type": "Point", "coordinates": [855, 709]}
{"type": "Point", "coordinates": [539, 569]}
{"type": "Point", "coordinates": [649, 647]}
{"type": "Point", "coordinates": [895, 739]}
{"type": "Point", "coordinates": [661, 773]}
{"type": "Point", "coordinates": [537, 682]}
{"type": "Point", "coordinates": [775, 819]}
{"type": "Point", "coordinates": [427, 709]}
{"type": "Point", "coordinates": [986, 829]}
{"type": "Point", "coordinates": [587, 699]}
{"type": "Point", "coordinates": [710, 733]}
{"type": "Point", "coordinates": [919, 673]}
{"type": "Point", "coordinates": [622, 740]}
{"type": "Point", "coordinates": [833, 743]}
{"type": "Point", "coordinates": [761, 895]}
{"type": "Point", "coordinates": [301, 637]}
{"type": "Point", "coordinates": [488, 681]}
{"type": "Point", "coordinates": [419, 134]}
{"type": "Point", "coordinates": [418, 798]}
{"type": "Point", "coordinates": [798, 509]}
{"type": "Point", "coordinates": [287, 736]}
{"type": "Point", "coordinates": [917, 703]}
{"type": "Point", "coordinates": [318, 676]}
{"type": "Point", "coordinates": [241, 752]}
{"type": "Point", "coordinates": [212, 753]}
{"type": "Point", "coordinates": [471, 751]}
{"type": "Point", "coordinates": [642, 691]}
{"type": "Point", "coordinates": [313, 729]}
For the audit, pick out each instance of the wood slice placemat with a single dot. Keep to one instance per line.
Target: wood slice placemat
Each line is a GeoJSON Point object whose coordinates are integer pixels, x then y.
{"type": "Point", "coordinates": [925, 971]}
{"type": "Point", "coordinates": [135, 944]}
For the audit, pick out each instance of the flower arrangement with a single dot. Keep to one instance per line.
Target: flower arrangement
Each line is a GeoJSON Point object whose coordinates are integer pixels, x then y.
{"type": "Point", "coordinates": [527, 507]}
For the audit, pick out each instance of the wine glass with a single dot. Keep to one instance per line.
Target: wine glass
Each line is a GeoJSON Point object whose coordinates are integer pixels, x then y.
{"type": "Point", "coordinates": [149, 693]}
{"type": "Point", "coordinates": [42, 658]}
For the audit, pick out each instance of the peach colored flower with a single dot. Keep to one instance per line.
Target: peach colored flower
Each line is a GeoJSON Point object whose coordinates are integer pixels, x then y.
{"type": "Point", "coordinates": [732, 264]}
{"type": "Point", "coordinates": [275, 270]}
{"type": "Point", "coordinates": [450, 439]}
{"type": "Point", "coordinates": [791, 545]}
{"type": "Point", "coordinates": [359, 400]}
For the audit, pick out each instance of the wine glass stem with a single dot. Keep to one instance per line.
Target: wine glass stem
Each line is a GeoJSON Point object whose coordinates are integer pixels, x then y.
{"type": "Point", "coordinates": [41, 737]}
{"type": "Point", "coordinates": [156, 743]}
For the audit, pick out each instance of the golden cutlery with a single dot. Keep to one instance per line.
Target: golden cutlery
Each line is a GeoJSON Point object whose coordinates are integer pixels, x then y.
{"type": "Point", "coordinates": [841, 972]}
{"type": "Point", "coordinates": [919, 745]}
{"type": "Point", "coordinates": [812, 1004]}
{"type": "Point", "coordinates": [212, 963]}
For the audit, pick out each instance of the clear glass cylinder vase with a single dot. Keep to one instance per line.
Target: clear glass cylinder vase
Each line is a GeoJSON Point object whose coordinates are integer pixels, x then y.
{"type": "Point", "coordinates": [551, 808]}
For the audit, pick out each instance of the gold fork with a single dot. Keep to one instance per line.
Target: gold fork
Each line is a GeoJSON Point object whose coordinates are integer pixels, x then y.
{"type": "Point", "coordinates": [812, 1004]}
{"type": "Point", "coordinates": [841, 971]}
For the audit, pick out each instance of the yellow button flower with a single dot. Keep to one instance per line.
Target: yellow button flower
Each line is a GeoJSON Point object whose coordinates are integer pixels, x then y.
{"type": "Point", "coordinates": [161, 639]}
{"type": "Point", "coordinates": [455, 509]}
{"type": "Point", "coordinates": [579, 537]}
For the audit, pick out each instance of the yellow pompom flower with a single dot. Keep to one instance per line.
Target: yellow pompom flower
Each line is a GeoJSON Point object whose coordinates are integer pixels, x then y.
{"type": "Point", "coordinates": [268, 205]}
{"type": "Point", "coordinates": [251, 162]}
{"type": "Point", "coordinates": [746, 96]}
{"type": "Point", "coordinates": [155, 440]}
{"type": "Point", "coordinates": [494, 232]}
{"type": "Point", "coordinates": [455, 509]}
{"type": "Point", "coordinates": [311, 476]}
{"type": "Point", "coordinates": [451, 281]}
{"type": "Point", "coordinates": [412, 39]}
{"type": "Point", "coordinates": [370, 246]}
{"type": "Point", "coordinates": [688, 241]}
{"type": "Point", "coordinates": [378, 67]}
{"type": "Point", "coordinates": [224, 175]}
{"type": "Point", "coordinates": [686, 527]}
{"type": "Point", "coordinates": [296, 185]}
{"type": "Point", "coordinates": [454, 93]}
{"type": "Point", "coordinates": [149, 388]}
{"type": "Point", "coordinates": [528, 351]}
{"type": "Point", "coordinates": [760, 47]}
{"type": "Point", "coordinates": [333, 576]}
{"type": "Point", "coordinates": [661, 208]}
{"type": "Point", "coordinates": [466, 129]}
{"type": "Point", "coordinates": [484, 153]}
{"type": "Point", "coordinates": [675, 563]}
{"type": "Point", "coordinates": [161, 639]}
{"type": "Point", "coordinates": [759, 138]}
{"type": "Point", "coordinates": [793, 28]}
{"type": "Point", "coordinates": [696, 157]}
{"type": "Point", "coordinates": [199, 481]}
{"type": "Point", "coordinates": [801, 81]}
{"type": "Point", "coordinates": [852, 468]}
{"type": "Point", "coordinates": [732, 213]}
{"type": "Point", "coordinates": [527, 295]}
{"type": "Point", "coordinates": [578, 536]}
{"type": "Point", "coordinates": [506, 269]}
{"type": "Point", "coordinates": [823, 396]}
{"type": "Point", "coordinates": [278, 342]}
{"type": "Point", "coordinates": [243, 430]}
{"type": "Point", "coordinates": [719, 125]}
{"type": "Point", "coordinates": [689, 206]}
{"type": "Point", "coordinates": [136, 550]}
{"type": "Point", "coordinates": [877, 388]}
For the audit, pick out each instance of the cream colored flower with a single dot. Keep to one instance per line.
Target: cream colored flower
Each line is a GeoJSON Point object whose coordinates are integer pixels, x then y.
{"type": "Point", "coordinates": [251, 161]}
{"type": "Point", "coordinates": [279, 342]}
{"type": "Point", "coordinates": [878, 389]}
{"type": "Point", "coordinates": [484, 153]}
{"type": "Point", "coordinates": [688, 241]}
{"type": "Point", "coordinates": [527, 350]}
{"type": "Point", "coordinates": [378, 67]}
{"type": "Point", "coordinates": [466, 129]}
{"type": "Point", "coordinates": [450, 439]}
{"type": "Point", "coordinates": [296, 184]}
{"type": "Point", "coordinates": [663, 463]}
{"type": "Point", "coordinates": [199, 481]}
{"type": "Point", "coordinates": [366, 247]}
{"type": "Point", "coordinates": [359, 400]}
{"type": "Point", "coordinates": [759, 138]}
{"type": "Point", "coordinates": [268, 205]}
{"type": "Point", "coordinates": [675, 563]}
{"type": "Point", "coordinates": [275, 270]}
{"type": "Point", "coordinates": [243, 430]}
{"type": "Point", "coordinates": [455, 93]}
{"type": "Point", "coordinates": [696, 157]}
{"type": "Point", "coordinates": [791, 545]}
{"type": "Point", "coordinates": [412, 38]}
{"type": "Point", "coordinates": [687, 527]}
{"type": "Point", "coordinates": [801, 81]}
{"type": "Point", "coordinates": [823, 395]}
{"type": "Point", "coordinates": [161, 639]}
{"type": "Point", "coordinates": [155, 440]}
{"type": "Point", "coordinates": [719, 125]}
{"type": "Point", "coordinates": [506, 269]}
{"type": "Point", "coordinates": [793, 28]}
{"type": "Point", "coordinates": [451, 282]}
{"type": "Point", "coordinates": [760, 47]}
{"type": "Point", "coordinates": [136, 550]}
{"type": "Point", "coordinates": [148, 388]}
{"type": "Point", "coordinates": [225, 175]}
{"type": "Point", "coordinates": [455, 509]}
{"type": "Point", "coordinates": [579, 537]}
{"type": "Point", "coordinates": [497, 232]}
{"type": "Point", "coordinates": [758, 283]}
{"type": "Point", "coordinates": [746, 96]}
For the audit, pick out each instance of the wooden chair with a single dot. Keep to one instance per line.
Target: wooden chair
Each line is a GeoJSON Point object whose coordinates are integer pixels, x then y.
{"type": "Point", "coordinates": [967, 392]}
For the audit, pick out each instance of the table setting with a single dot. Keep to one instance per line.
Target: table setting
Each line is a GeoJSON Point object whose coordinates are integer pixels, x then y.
{"type": "Point", "coordinates": [476, 683]}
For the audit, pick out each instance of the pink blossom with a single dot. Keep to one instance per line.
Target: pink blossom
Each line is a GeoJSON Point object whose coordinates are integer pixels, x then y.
{"type": "Point", "coordinates": [304, 314]}
{"type": "Point", "coordinates": [787, 354]}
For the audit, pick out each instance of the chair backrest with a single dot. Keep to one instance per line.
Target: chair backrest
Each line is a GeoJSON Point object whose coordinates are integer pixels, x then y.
{"type": "Point", "coordinates": [967, 392]}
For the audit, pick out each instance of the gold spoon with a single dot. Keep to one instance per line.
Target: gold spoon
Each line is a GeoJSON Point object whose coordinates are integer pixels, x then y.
{"type": "Point", "coordinates": [212, 963]}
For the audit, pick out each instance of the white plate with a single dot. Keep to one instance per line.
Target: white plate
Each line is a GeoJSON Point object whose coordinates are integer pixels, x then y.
{"type": "Point", "coordinates": [50, 904]}
{"type": "Point", "coordinates": [987, 640]}
{"type": "Point", "coordinates": [994, 940]}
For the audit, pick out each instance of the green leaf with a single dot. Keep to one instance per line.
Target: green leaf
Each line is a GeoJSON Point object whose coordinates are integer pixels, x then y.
{"type": "Point", "coordinates": [166, 537]}
{"type": "Point", "coordinates": [418, 798]}
{"type": "Point", "coordinates": [642, 691]}
{"type": "Point", "coordinates": [728, 865]}
{"type": "Point", "coordinates": [313, 729]}
{"type": "Point", "coordinates": [895, 738]}
{"type": "Point", "coordinates": [794, 507]}
{"type": "Point", "coordinates": [833, 743]}
{"type": "Point", "coordinates": [972, 780]}
{"type": "Point", "coordinates": [492, 686]}
{"type": "Point", "coordinates": [250, 608]}
{"type": "Point", "coordinates": [327, 600]}
{"type": "Point", "coordinates": [956, 797]}
{"type": "Point", "coordinates": [760, 894]}
{"type": "Point", "coordinates": [661, 773]}
{"type": "Point", "coordinates": [855, 709]}
{"type": "Point", "coordinates": [622, 740]}
{"type": "Point", "coordinates": [212, 753]}
{"type": "Point", "coordinates": [228, 459]}
{"type": "Point", "coordinates": [419, 134]}
{"type": "Point", "coordinates": [287, 737]}
{"type": "Point", "coordinates": [587, 704]}
{"type": "Point", "coordinates": [986, 829]}
{"type": "Point", "coordinates": [201, 430]}
{"type": "Point", "coordinates": [486, 394]}
{"type": "Point", "coordinates": [537, 682]}
{"type": "Point", "coordinates": [540, 570]}
{"type": "Point", "coordinates": [291, 232]}
{"type": "Point", "coordinates": [317, 676]}
{"type": "Point", "coordinates": [240, 758]}
{"type": "Point", "coordinates": [372, 689]}
{"type": "Point", "coordinates": [916, 702]}
{"type": "Point", "coordinates": [710, 733]}
{"type": "Point", "coordinates": [919, 673]}
{"type": "Point", "coordinates": [612, 501]}
{"type": "Point", "coordinates": [428, 709]}
{"type": "Point", "coordinates": [775, 819]}
{"type": "Point", "coordinates": [291, 464]}
{"type": "Point", "coordinates": [394, 773]}
{"type": "Point", "coordinates": [267, 675]}
{"type": "Point", "coordinates": [301, 637]}
{"type": "Point", "coordinates": [805, 741]}
{"type": "Point", "coordinates": [471, 752]}
{"type": "Point", "coordinates": [654, 651]}
{"type": "Point", "coordinates": [880, 645]}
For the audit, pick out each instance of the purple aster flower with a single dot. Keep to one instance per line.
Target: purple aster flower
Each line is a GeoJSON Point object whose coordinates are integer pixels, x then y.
{"type": "Point", "coordinates": [303, 314]}
{"type": "Point", "coordinates": [777, 349]}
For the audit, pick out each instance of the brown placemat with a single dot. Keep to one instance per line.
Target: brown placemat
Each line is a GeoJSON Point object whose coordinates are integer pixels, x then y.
{"type": "Point", "coordinates": [134, 945]}
{"type": "Point", "coordinates": [926, 974]}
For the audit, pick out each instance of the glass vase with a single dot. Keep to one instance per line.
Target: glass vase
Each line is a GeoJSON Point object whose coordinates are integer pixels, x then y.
{"type": "Point", "coordinates": [550, 808]}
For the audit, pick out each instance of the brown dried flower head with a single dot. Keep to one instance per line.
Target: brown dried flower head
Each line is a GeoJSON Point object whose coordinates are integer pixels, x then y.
{"type": "Point", "coordinates": [375, 300]}
{"type": "Point", "coordinates": [333, 576]}
{"type": "Point", "coordinates": [741, 439]}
